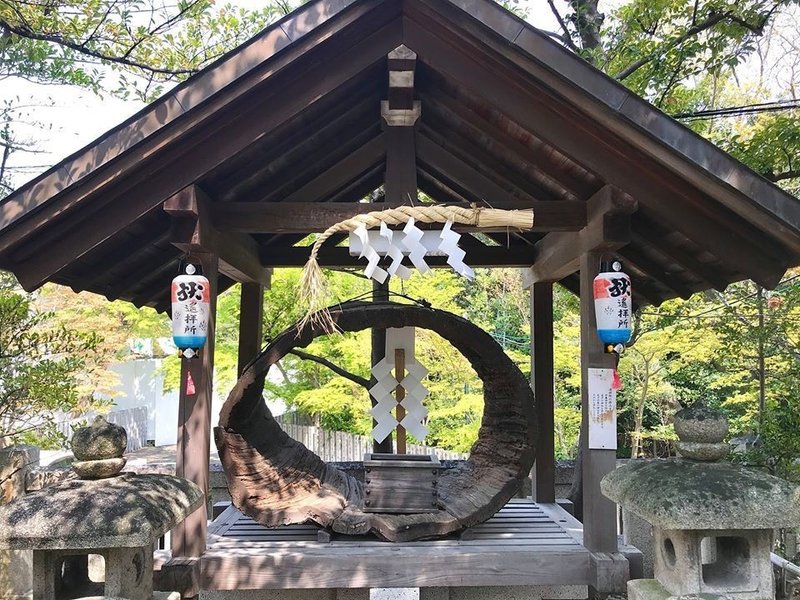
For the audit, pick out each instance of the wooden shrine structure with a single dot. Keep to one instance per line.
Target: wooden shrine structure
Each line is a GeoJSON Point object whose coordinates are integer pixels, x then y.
{"type": "Point", "coordinates": [287, 134]}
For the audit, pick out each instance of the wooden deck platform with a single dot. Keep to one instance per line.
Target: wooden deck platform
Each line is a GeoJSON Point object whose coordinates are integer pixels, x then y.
{"type": "Point", "coordinates": [523, 544]}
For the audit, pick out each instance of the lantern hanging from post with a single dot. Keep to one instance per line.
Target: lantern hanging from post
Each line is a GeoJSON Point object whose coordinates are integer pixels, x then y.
{"type": "Point", "coordinates": [612, 305]}
{"type": "Point", "coordinates": [191, 307]}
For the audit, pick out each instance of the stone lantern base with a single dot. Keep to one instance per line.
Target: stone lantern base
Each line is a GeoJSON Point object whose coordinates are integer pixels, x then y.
{"type": "Point", "coordinates": [730, 563]}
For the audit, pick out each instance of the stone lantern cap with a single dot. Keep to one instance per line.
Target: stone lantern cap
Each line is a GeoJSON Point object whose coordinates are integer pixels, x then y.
{"type": "Point", "coordinates": [127, 511]}
{"type": "Point", "coordinates": [687, 494]}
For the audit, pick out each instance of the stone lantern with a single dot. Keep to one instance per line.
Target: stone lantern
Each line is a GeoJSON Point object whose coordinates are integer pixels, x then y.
{"type": "Point", "coordinates": [119, 517]}
{"type": "Point", "coordinates": [713, 521]}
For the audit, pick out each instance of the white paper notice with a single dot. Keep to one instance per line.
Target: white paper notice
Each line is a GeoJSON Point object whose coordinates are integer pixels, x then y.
{"type": "Point", "coordinates": [602, 410]}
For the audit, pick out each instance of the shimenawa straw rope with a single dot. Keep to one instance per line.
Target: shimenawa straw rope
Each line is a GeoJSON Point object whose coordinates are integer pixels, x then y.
{"type": "Point", "coordinates": [313, 287]}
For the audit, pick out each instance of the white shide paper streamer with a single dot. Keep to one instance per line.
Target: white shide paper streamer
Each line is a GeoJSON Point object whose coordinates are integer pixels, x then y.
{"type": "Point", "coordinates": [408, 242]}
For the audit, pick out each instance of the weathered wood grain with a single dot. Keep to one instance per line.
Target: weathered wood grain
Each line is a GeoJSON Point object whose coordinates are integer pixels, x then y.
{"type": "Point", "coordinates": [525, 554]}
{"type": "Point", "coordinates": [278, 481]}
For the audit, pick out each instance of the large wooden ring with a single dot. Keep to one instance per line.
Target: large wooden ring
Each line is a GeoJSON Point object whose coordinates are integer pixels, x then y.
{"type": "Point", "coordinates": [278, 481]}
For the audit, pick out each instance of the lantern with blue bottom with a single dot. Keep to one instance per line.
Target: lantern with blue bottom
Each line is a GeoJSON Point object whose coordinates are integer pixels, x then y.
{"type": "Point", "coordinates": [191, 302]}
{"type": "Point", "coordinates": [612, 305]}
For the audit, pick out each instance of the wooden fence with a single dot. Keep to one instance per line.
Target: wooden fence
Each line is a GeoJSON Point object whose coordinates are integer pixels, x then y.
{"type": "Point", "coordinates": [338, 446]}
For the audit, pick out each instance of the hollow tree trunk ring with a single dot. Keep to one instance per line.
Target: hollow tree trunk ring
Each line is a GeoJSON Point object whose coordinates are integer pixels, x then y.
{"type": "Point", "coordinates": [278, 481]}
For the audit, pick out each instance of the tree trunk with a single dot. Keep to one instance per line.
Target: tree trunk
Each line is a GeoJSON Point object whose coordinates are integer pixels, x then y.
{"type": "Point", "coordinates": [636, 449]}
{"type": "Point", "coordinates": [576, 490]}
{"type": "Point", "coordinates": [588, 22]}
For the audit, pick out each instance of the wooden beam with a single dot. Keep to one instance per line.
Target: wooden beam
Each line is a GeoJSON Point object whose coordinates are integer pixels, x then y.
{"type": "Point", "coordinates": [469, 181]}
{"type": "Point", "coordinates": [338, 175]}
{"type": "Point", "coordinates": [295, 156]}
{"type": "Point", "coordinates": [399, 115]}
{"type": "Point", "coordinates": [655, 272]}
{"type": "Point", "coordinates": [664, 195]}
{"type": "Point", "coordinates": [117, 266]}
{"type": "Point", "coordinates": [401, 62]}
{"type": "Point", "coordinates": [492, 162]}
{"type": "Point", "coordinates": [332, 257]}
{"type": "Point", "coordinates": [193, 231]}
{"type": "Point", "coordinates": [141, 292]}
{"type": "Point", "coordinates": [558, 254]}
{"type": "Point", "coordinates": [542, 379]}
{"type": "Point", "coordinates": [355, 191]}
{"type": "Point", "coordinates": [194, 427]}
{"type": "Point", "coordinates": [400, 181]}
{"type": "Point", "coordinates": [437, 189]}
{"type": "Point", "coordinates": [538, 162]}
{"type": "Point", "coordinates": [309, 217]}
{"type": "Point", "coordinates": [239, 258]}
{"type": "Point", "coordinates": [647, 233]}
{"type": "Point", "coordinates": [152, 174]}
{"type": "Point", "coordinates": [251, 310]}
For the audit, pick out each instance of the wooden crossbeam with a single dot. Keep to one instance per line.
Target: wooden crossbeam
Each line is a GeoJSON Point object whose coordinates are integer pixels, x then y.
{"type": "Point", "coordinates": [193, 231]}
{"type": "Point", "coordinates": [338, 257]}
{"type": "Point", "coordinates": [309, 217]}
{"type": "Point", "coordinates": [608, 229]}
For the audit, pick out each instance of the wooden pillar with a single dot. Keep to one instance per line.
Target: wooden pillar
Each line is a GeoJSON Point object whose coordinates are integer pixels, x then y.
{"type": "Point", "coordinates": [544, 490]}
{"type": "Point", "coordinates": [194, 426]}
{"type": "Point", "coordinates": [400, 182]}
{"type": "Point", "coordinates": [251, 310]}
{"type": "Point", "coordinates": [599, 513]}
{"type": "Point", "coordinates": [400, 114]}
{"type": "Point", "coordinates": [400, 394]}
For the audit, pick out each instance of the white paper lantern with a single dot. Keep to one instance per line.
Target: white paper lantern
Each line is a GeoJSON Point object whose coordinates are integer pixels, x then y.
{"type": "Point", "coordinates": [191, 308]}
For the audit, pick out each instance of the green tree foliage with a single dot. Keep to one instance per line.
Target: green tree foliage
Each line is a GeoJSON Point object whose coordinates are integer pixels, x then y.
{"type": "Point", "coordinates": [144, 42]}
{"type": "Point", "coordinates": [41, 368]}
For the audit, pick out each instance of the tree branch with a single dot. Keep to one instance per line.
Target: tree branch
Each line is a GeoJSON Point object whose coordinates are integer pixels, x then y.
{"type": "Point", "coordinates": [713, 19]}
{"type": "Point", "coordinates": [790, 174]}
{"type": "Point", "coordinates": [54, 38]}
{"type": "Point", "coordinates": [565, 37]}
{"type": "Point", "coordinates": [333, 367]}
{"type": "Point", "coordinates": [708, 23]}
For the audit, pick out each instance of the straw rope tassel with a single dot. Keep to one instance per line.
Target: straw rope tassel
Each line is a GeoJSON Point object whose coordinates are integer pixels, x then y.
{"type": "Point", "coordinates": [313, 287]}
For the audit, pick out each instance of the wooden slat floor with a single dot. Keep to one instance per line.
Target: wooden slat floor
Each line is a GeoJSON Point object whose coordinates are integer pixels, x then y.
{"type": "Point", "coordinates": [523, 544]}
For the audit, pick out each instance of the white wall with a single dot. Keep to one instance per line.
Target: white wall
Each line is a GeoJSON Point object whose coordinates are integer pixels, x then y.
{"type": "Point", "coordinates": [141, 384]}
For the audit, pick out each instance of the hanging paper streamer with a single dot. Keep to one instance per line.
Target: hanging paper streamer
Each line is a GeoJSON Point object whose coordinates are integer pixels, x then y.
{"type": "Point", "coordinates": [190, 389]}
{"type": "Point", "coordinates": [411, 242]}
{"type": "Point", "coordinates": [416, 412]}
{"type": "Point", "coordinates": [455, 254]}
{"type": "Point", "coordinates": [416, 250]}
{"type": "Point", "coordinates": [372, 270]}
{"type": "Point", "coordinates": [616, 382]}
{"type": "Point", "coordinates": [396, 268]}
{"type": "Point", "coordinates": [313, 287]}
{"type": "Point", "coordinates": [383, 391]}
